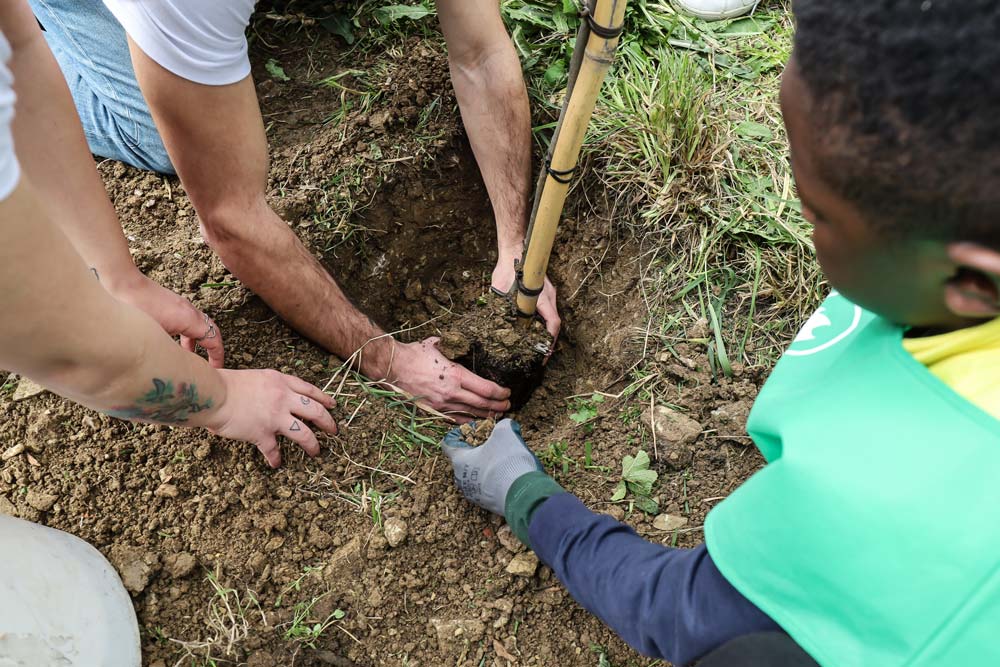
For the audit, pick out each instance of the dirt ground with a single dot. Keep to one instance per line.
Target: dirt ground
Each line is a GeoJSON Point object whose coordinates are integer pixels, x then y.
{"type": "Point", "coordinates": [368, 556]}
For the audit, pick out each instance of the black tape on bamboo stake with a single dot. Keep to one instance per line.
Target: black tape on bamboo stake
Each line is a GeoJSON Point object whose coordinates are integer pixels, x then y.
{"type": "Point", "coordinates": [604, 32]}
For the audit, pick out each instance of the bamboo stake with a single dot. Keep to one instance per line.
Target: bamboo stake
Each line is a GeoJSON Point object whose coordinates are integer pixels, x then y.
{"type": "Point", "coordinates": [592, 58]}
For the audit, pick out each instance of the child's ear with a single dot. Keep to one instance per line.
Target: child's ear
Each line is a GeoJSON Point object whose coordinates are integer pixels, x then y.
{"type": "Point", "coordinates": [974, 291]}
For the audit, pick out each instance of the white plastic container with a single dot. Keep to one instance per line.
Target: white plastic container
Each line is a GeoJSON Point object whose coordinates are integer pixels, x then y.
{"type": "Point", "coordinates": [61, 602]}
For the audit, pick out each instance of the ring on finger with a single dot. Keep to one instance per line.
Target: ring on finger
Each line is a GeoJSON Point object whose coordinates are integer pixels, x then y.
{"type": "Point", "coordinates": [212, 332]}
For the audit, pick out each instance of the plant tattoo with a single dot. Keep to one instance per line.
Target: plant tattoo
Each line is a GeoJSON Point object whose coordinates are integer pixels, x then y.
{"type": "Point", "coordinates": [164, 405]}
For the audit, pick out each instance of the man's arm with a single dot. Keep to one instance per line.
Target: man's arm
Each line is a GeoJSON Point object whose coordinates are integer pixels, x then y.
{"type": "Point", "coordinates": [491, 94]}
{"type": "Point", "coordinates": [215, 138]}
{"type": "Point", "coordinates": [54, 155]}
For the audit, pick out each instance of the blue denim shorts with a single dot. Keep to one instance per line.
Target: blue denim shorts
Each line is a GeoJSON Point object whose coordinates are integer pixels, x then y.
{"type": "Point", "coordinates": [92, 50]}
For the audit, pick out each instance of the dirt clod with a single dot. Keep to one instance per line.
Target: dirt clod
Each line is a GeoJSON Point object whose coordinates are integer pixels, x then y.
{"type": "Point", "coordinates": [455, 635]}
{"type": "Point", "coordinates": [732, 417]}
{"type": "Point", "coordinates": [319, 538]}
{"type": "Point", "coordinates": [477, 433]}
{"type": "Point", "coordinates": [135, 566]}
{"type": "Point", "coordinates": [166, 491]}
{"type": "Point", "coordinates": [454, 345]}
{"type": "Point", "coordinates": [509, 540]}
{"type": "Point", "coordinates": [344, 560]}
{"type": "Point", "coordinates": [42, 502]}
{"type": "Point", "coordinates": [180, 565]}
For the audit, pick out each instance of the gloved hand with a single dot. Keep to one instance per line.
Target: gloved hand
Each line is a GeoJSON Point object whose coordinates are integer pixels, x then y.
{"type": "Point", "coordinates": [485, 473]}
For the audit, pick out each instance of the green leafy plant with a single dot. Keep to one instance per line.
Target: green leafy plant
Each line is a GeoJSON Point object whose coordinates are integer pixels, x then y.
{"type": "Point", "coordinates": [602, 655]}
{"type": "Point", "coordinates": [308, 631]}
{"type": "Point", "coordinates": [586, 411]}
{"type": "Point", "coordinates": [638, 480]}
{"type": "Point", "coordinates": [394, 13]}
{"type": "Point", "coordinates": [341, 25]}
{"type": "Point", "coordinates": [556, 457]}
{"type": "Point", "coordinates": [275, 69]}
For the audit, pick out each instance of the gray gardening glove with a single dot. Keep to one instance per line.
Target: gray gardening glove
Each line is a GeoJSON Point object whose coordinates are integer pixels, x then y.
{"type": "Point", "coordinates": [485, 474]}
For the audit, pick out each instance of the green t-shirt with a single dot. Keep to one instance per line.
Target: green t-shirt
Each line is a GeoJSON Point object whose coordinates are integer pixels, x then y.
{"type": "Point", "coordinates": [869, 536]}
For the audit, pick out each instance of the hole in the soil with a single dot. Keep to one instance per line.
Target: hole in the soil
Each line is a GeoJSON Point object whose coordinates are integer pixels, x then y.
{"type": "Point", "coordinates": [429, 243]}
{"type": "Point", "coordinates": [427, 258]}
{"type": "Point", "coordinates": [424, 269]}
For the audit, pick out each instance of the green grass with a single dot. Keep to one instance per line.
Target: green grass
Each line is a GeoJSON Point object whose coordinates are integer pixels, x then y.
{"type": "Point", "coordinates": [227, 621]}
{"type": "Point", "coordinates": [305, 627]}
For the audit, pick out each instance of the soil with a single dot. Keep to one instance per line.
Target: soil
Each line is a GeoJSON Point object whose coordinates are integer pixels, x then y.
{"type": "Point", "coordinates": [223, 554]}
{"type": "Point", "coordinates": [489, 338]}
{"type": "Point", "coordinates": [477, 433]}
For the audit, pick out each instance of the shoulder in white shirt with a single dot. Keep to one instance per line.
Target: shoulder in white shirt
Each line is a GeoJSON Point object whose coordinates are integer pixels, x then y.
{"type": "Point", "coordinates": [200, 40]}
{"type": "Point", "coordinates": [10, 171]}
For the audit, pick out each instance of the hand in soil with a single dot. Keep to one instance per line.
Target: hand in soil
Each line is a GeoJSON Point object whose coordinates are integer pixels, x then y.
{"type": "Point", "coordinates": [485, 474]}
{"type": "Point", "coordinates": [503, 280]}
{"type": "Point", "coordinates": [261, 405]}
{"type": "Point", "coordinates": [175, 314]}
{"type": "Point", "coordinates": [427, 375]}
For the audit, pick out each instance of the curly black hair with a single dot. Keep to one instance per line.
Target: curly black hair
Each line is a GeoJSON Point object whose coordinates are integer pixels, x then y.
{"type": "Point", "coordinates": [907, 97]}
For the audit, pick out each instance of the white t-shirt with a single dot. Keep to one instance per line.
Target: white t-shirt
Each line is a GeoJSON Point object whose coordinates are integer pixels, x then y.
{"type": "Point", "coordinates": [200, 40]}
{"type": "Point", "coordinates": [10, 170]}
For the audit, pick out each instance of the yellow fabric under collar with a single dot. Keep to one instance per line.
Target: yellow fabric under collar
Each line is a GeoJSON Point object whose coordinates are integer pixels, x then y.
{"type": "Point", "coordinates": [967, 360]}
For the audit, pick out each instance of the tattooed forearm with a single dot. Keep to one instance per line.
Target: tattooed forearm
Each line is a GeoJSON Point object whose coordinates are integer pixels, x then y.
{"type": "Point", "coordinates": [164, 405]}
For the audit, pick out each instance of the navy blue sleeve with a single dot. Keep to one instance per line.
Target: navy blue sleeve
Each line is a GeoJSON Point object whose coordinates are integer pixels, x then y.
{"type": "Point", "coordinates": [665, 603]}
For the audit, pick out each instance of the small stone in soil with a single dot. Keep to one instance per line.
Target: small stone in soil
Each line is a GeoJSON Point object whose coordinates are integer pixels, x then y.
{"type": "Point", "coordinates": [395, 532]}
{"type": "Point", "coordinates": [11, 452]}
{"type": "Point", "coordinates": [509, 540]}
{"type": "Point", "coordinates": [523, 565]}
{"type": "Point", "coordinates": [671, 426]}
{"type": "Point", "coordinates": [669, 522]}
{"type": "Point", "coordinates": [27, 389]}
{"type": "Point", "coordinates": [675, 433]}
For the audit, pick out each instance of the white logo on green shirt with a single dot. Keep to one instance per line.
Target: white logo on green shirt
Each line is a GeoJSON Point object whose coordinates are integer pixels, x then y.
{"type": "Point", "coordinates": [834, 321]}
